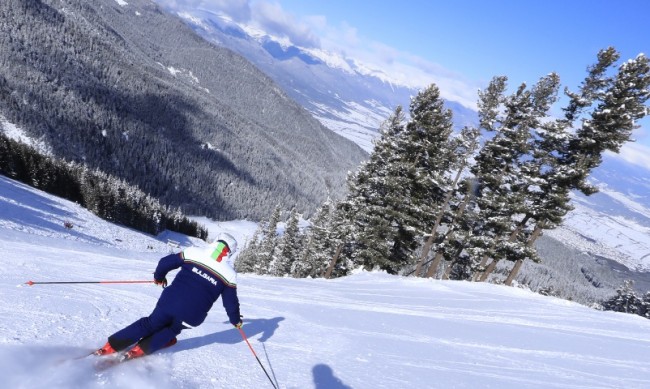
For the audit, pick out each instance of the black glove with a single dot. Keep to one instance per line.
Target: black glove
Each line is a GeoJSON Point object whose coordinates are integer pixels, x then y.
{"type": "Point", "coordinates": [162, 282]}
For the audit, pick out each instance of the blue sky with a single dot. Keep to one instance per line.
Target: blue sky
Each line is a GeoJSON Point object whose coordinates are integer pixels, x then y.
{"type": "Point", "coordinates": [461, 44]}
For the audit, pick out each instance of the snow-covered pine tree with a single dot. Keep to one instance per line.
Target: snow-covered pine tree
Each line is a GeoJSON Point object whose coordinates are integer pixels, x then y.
{"type": "Point", "coordinates": [394, 197]}
{"type": "Point", "coordinates": [625, 300]}
{"type": "Point", "coordinates": [614, 104]}
{"type": "Point", "coordinates": [455, 201]}
{"type": "Point", "coordinates": [431, 153]}
{"type": "Point", "coordinates": [499, 168]}
{"type": "Point", "coordinates": [288, 249]}
{"type": "Point", "coordinates": [362, 222]}
{"type": "Point", "coordinates": [318, 248]}
{"type": "Point", "coordinates": [469, 241]}
{"type": "Point", "coordinates": [269, 242]}
{"type": "Point", "coordinates": [536, 196]}
{"type": "Point", "coordinates": [548, 188]}
{"type": "Point", "coordinates": [341, 237]}
{"type": "Point", "coordinates": [607, 107]}
{"type": "Point", "coordinates": [248, 257]}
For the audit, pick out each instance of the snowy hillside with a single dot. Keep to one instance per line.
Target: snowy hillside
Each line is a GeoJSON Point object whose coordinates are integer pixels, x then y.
{"type": "Point", "coordinates": [369, 330]}
{"type": "Point", "coordinates": [615, 222]}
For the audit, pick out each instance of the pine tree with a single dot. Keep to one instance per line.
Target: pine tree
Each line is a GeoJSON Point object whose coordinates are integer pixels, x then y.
{"type": "Point", "coordinates": [614, 104]}
{"type": "Point", "coordinates": [455, 201]}
{"type": "Point", "coordinates": [607, 107]}
{"type": "Point", "coordinates": [625, 300]}
{"type": "Point", "coordinates": [269, 243]}
{"type": "Point", "coordinates": [433, 151]}
{"type": "Point", "coordinates": [394, 197]}
{"type": "Point", "coordinates": [248, 257]}
{"type": "Point", "coordinates": [288, 248]}
{"type": "Point", "coordinates": [498, 169]}
{"type": "Point", "coordinates": [514, 168]}
{"type": "Point", "coordinates": [318, 248]}
{"type": "Point", "coordinates": [361, 224]}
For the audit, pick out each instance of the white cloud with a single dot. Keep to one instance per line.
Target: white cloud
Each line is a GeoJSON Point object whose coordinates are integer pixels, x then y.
{"type": "Point", "coordinates": [276, 21]}
{"type": "Point", "coordinates": [238, 10]}
{"type": "Point", "coordinates": [315, 32]}
{"type": "Point", "coordinates": [405, 68]}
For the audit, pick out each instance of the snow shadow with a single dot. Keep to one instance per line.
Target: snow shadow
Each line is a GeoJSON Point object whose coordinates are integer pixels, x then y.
{"type": "Point", "coordinates": [324, 378]}
{"type": "Point", "coordinates": [252, 327]}
{"type": "Point", "coordinates": [171, 236]}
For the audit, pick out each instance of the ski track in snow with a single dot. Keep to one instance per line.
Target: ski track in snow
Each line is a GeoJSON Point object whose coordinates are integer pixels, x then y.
{"type": "Point", "coordinates": [369, 330]}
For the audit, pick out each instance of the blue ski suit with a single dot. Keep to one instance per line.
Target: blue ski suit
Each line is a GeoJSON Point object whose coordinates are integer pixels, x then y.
{"type": "Point", "coordinates": [205, 275]}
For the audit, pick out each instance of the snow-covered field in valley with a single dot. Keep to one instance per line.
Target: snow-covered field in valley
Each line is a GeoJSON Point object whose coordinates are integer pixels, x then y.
{"type": "Point", "coordinates": [369, 330]}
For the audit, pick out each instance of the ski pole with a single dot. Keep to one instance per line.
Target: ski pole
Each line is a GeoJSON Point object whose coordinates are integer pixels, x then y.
{"type": "Point", "coordinates": [30, 283]}
{"type": "Point", "coordinates": [243, 335]}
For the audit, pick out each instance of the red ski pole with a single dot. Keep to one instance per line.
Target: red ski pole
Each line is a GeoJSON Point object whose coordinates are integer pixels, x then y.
{"type": "Point", "coordinates": [30, 283]}
{"type": "Point", "coordinates": [243, 335]}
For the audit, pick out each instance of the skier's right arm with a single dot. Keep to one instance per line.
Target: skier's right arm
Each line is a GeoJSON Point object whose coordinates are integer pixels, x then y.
{"type": "Point", "coordinates": [167, 264]}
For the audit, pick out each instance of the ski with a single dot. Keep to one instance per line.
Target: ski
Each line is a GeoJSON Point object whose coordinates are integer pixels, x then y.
{"type": "Point", "coordinates": [74, 358]}
{"type": "Point", "coordinates": [111, 361]}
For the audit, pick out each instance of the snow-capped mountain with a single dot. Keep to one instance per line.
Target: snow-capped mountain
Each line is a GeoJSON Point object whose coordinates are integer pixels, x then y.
{"type": "Point", "coordinates": [353, 100]}
{"type": "Point", "coordinates": [345, 95]}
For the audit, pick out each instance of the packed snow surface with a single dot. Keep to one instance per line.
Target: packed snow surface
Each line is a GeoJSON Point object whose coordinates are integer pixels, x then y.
{"type": "Point", "coordinates": [368, 330]}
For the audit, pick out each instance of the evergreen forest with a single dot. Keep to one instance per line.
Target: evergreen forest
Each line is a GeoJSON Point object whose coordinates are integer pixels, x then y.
{"type": "Point", "coordinates": [106, 196]}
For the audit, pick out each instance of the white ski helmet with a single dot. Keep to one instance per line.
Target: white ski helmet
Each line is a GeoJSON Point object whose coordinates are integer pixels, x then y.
{"type": "Point", "coordinates": [229, 240]}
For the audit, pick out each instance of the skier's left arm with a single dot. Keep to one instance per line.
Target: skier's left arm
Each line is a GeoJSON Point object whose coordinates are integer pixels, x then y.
{"type": "Point", "coordinates": [231, 305]}
{"type": "Point", "coordinates": [165, 265]}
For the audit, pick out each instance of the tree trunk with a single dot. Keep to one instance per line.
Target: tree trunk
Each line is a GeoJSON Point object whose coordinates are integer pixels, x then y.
{"type": "Point", "coordinates": [434, 265]}
{"type": "Point", "coordinates": [515, 270]}
{"type": "Point", "coordinates": [453, 262]}
{"type": "Point", "coordinates": [512, 237]}
{"type": "Point", "coordinates": [330, 268]}
{"type": "Point", "coordinates": [478, 275]}
{"type": "Point", "coordinates": [438, 257]}
{"type": "Point", "coordinates": [448, 270]}
{"type": "Point", "coordinates": [441, 214]}
{"type": "Point", "coordinates": [489, 270]}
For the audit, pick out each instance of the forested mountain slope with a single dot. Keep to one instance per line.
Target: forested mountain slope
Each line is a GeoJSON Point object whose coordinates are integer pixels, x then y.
{"type": "Point", "coordinates": [132, 91]}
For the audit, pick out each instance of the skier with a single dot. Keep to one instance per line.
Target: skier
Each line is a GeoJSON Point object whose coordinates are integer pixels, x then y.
{"type": "Point", "coordinates": [205, 275]}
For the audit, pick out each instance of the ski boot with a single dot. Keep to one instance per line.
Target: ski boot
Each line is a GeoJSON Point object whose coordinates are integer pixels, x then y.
{"type": "Point", "coordinates": [107, 349]}
{"type": "Point", "coordinates": [135, 352]}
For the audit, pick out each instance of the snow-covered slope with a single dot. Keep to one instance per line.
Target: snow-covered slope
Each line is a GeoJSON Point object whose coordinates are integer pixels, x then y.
{"type": "Point", "coordinates": [369, 330]}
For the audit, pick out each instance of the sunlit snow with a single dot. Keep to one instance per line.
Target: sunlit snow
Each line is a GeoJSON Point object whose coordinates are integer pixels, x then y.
{"type": "Point", "coordinates": [368, 330]}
